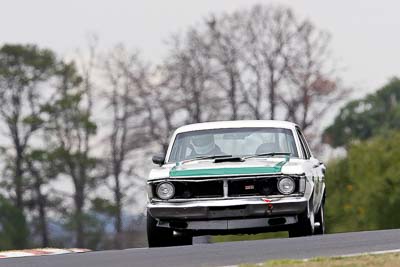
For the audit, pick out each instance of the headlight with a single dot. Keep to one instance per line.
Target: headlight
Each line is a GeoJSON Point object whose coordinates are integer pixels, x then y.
{"type": "Point", "coordinates": [165, 190]}
{"type": "Point", "coordinates": [286, 186]}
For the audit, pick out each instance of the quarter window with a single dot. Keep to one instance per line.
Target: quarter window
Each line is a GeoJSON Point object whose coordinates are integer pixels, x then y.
{"type": "Point", "coordinates": [304, 145]}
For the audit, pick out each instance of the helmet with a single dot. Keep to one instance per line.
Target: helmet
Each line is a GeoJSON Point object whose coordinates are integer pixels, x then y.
{"type": "Point", "coordinates": [203, 144]}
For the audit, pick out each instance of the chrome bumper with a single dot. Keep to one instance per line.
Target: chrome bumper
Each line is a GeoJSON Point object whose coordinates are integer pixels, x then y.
{"type": "Point", "coordinates": [252, 207]}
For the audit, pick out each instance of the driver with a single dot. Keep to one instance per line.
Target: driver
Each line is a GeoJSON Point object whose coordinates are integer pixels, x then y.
{"type": "Point", "coordinates": [205, 145]}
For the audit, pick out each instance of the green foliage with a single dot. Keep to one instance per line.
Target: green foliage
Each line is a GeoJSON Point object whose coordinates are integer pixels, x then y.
{"type": "Point", "coordinates": [230, 238]}
{"type": "Point", "coordinates": [33, 120]}
{"type": "Point", "coordinates": [24, 69]}
{"type": "Point", "coordinates": [67, 110]}
{"type": "Point", "coordinates": [94, 228]}
{"type": "Point", "coordinates": [26, 63]}
{"type": "Point", "coordinates": [364, 188]}
{"type": "Point", "coordinates": [104, 206]}
{"type": "Point", "coordinates": [69, 74]}
{"type": "Point", "coordinates": [13, 229]}
{"type": "Point", "coordinates": [362, 119]}
{"type": "Point", "coordinates": [42, 97]}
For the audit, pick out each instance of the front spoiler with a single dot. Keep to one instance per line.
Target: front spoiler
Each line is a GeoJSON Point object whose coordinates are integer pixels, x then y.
{"type": "Point", "coordinates": [230, 225]}
{"type": "Point", "coordinates": [252, 207]}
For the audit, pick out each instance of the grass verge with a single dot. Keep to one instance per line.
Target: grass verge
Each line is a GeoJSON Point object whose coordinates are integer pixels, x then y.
{"type": "Point", "coordinates": [369, 260]}
{"type": "Point", "coordinates": [229, 238]}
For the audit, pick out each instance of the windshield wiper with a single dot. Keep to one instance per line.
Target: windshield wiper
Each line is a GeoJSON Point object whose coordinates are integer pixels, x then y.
{"type": "Point", "coordinates": [212, 157]}
{"type": "Point", "coordinates": [271, 154]}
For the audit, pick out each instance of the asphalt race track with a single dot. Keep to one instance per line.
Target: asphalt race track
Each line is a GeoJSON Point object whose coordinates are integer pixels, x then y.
{"type": "Point", "coordinates": [222, 254]}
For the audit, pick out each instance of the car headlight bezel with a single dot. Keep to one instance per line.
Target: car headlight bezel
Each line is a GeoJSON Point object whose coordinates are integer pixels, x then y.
{"type": "Point", "coordinates": [286, 181]}
{"type": "Point", "coordinates": [168, 186]}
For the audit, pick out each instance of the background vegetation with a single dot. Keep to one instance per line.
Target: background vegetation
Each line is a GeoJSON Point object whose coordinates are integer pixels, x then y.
{"type": "Point", "coordinates": [76, 135]}
{"type": "Point", "coordinates": [364, 186]}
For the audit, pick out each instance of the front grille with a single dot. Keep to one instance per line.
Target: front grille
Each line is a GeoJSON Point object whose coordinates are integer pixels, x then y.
{"type": "Point", "coordinates": [236, 187]}
{"type": "Point", "coordinates": [206, 189]}
{"type": "Point", "coordinates": [252, 187]}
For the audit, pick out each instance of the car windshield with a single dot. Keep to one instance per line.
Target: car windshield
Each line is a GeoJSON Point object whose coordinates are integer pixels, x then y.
{"type": "Point", "coordinates": [236, 142]}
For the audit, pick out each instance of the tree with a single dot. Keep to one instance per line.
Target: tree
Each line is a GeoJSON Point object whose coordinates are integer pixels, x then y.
{"type": "Point", "coordinates": [14, 231]}
{"type": "Point", "coordinates": [312, 86]}
{"type": "Point", "coordinates": [42, 170]}
{"type": "Point", "coordinates": [226, 47]}
{"type": "Point", "coordinates": [271, 31]}
{"type": "Point", "coordinates": [24, 71]}
{"type": "Point", "coordinates": [262, 63]}
{"type": "Point", "coordinates": [188, 74]}
{"type": "Point", "coordinates": [126, 123]}
{"type": "Point", "coordinates": [70, 131]}
{"type": "Point", "coordinates": [364, 187]}
{"type": "Point", "coordinates": [367, 117]}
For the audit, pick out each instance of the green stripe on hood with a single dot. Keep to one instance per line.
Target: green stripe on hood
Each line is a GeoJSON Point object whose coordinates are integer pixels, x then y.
{"type": "Point", "coordinates": [228, 171]}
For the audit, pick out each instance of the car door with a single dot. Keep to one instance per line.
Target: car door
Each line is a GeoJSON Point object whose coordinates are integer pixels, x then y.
{"type": "Point", "coordinates": [317, 170]}
{"type": "Point", "coordinates": [313, 169]}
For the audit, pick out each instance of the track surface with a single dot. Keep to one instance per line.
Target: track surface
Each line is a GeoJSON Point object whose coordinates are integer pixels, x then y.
{"type": "Point", "coordinates": [222, 254]}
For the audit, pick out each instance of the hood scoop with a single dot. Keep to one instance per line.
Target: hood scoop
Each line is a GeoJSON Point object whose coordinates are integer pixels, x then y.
{"type": "Point", "coordinates": [228, 159]}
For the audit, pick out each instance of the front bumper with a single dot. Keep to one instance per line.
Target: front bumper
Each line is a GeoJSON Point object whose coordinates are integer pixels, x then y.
{"type": "Point", "coordinates": [252, 207]}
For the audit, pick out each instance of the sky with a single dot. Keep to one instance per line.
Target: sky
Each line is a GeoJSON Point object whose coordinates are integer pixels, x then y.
{"type": "Point", "coordinates": [365, 34]}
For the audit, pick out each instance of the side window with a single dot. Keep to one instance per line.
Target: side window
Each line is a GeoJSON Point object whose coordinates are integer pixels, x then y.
{"type": "Point", "coordinates": [306, 145]}
{"type": "Point", "coordinates": [304, 148]}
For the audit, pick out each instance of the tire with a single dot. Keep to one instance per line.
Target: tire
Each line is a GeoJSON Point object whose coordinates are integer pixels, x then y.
{"type": "Point", "coordinates": [305, 224]}
{"type": "Point", "coordinates": [164, 237]}
{"type": "Point", "coordinates": [320, 218]}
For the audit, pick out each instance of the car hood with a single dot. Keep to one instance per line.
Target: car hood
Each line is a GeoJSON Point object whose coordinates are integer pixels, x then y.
{"type": "Point", "coordinates": [207, 168]}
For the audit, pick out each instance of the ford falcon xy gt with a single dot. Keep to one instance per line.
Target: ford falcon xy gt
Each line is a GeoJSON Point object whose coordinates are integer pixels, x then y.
{"type": "Point", "coordinates": [235, 177]}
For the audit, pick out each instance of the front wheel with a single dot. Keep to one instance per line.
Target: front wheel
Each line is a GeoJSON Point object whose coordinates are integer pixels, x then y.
{"type": "Point", "coordinates": [164, 237]}
{"type": "Point", "coordinates": [320, 219]}
{"type": "Point", "coordinates": [305, 224]}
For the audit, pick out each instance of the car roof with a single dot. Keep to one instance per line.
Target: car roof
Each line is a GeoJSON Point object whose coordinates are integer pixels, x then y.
{"type": "Point", "coordinates": [236, 124]}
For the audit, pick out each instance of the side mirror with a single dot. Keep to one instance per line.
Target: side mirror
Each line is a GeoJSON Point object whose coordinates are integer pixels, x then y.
{"type": "Point", "coordinates": [316, 162]}
{"type": "Point", "coordinates": [159, 159]}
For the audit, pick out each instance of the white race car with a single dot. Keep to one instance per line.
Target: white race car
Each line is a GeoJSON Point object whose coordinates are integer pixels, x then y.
{"type": "Point", "coordinates": [235, 177]}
